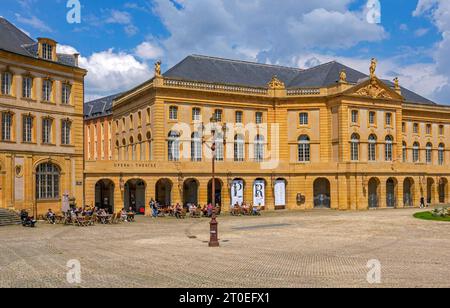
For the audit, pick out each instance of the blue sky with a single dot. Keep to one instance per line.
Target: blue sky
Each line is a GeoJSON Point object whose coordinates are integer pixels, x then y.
{"type": "Point", "coordinates": [120, 40]}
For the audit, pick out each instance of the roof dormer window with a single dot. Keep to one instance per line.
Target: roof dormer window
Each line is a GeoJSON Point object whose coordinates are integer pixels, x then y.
{"type": "Point", "coordinates": [47, 51]}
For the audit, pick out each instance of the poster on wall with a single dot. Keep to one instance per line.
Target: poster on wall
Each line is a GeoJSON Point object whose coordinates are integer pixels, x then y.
{"type": "Point", "coordinates": [237, 192]}
{"type": "Point", "coordinates": [259, 198]}
{"type": "Point", "coordinates": [280, 193]}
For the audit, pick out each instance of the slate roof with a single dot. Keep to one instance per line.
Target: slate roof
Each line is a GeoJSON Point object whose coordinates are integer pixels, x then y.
{"type": "Point", "coordinates": [12, 39]}
{"type": "Point", "coordinates": [225, 71]}
{"type": "Point", "coordinates": [99, 107]}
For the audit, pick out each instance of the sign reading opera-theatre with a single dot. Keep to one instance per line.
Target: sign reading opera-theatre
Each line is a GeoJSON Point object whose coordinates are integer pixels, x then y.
{"type": "Point", "coordinates": [135, 165]}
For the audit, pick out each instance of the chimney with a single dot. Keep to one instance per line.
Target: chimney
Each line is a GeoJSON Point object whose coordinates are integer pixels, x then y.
{"type": "Point", "coordinates": [76, 56]}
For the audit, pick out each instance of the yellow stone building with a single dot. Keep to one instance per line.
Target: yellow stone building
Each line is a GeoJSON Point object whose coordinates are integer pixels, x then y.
{"type": "Point", "coordinates": [286, 138]}
{"type": "Point", "coordinates": [41, 123]}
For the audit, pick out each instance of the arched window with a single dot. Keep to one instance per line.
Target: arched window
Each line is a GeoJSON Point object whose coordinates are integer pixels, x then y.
{"type": "Point", "coordinates": [239, 148]}
{"type": "Point", "coordinates": [429, 153]}
{"type": "Point", "coordinates": [405, 152]}
{"type": "Point", "coordinates": [304, 149]}
{"type": "Point", "coordinates": [259, 148]}
{"type": "Point", "coordinates": [372, 150]}
{"type": "Point", "coordinates": [196, 147]}
{"type": "Point", "coordinates": [141, 148]}
{"type": "Point", "coordinates": [118, 156]}
{"type": "Point", "coordinates": [354, 147]}
{"type": "Point", "coordinates": [219, 147]}
{"type": "Point", "coordinates": [388, 150]}
{"type": "Point", "coordinates": [133, 149]}
{"type": "Point", "coordinates": [416, 156]}
{"type": "Point", "coordinates": [173, 146]}
{"type": "Point", "coordinates": [124, 150]}
{"type": "Point", "coordinates": [47, 181]}
{"type": "Point", "coordinates": [441, 154]}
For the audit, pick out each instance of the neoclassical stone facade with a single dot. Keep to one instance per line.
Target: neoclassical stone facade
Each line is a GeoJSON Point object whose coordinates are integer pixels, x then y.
{"type": "Point", "coordinates": [41, 123]}
{"type": "Point", "coordinates": [286, 138]}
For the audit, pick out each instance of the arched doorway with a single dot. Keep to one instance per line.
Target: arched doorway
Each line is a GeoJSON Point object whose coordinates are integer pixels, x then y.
{"type": "Point", "coordinates": [104, 195]}
{"type": "Point", "coordinates": [443, 190]}
{"type": "Point", "coordinates": [408, 192]}
{"type": "Point", "coordinates": [374, 193]}
{"type": "Point", "coordinates": [279, 191]}
{"type": "Point", "coordinates": [431, 188]}
{"type": "Point", "coordinates": [259, 193]}
{"type": "Point", "coordinates": [391, 193]}
{"type": "Point", "coordinates": [237, 192]}
{"type": "Point", "coordinates": [190, 192]}
{"type": "Point", "coordinates": [163, 189]}
{"type": "Point", "coordinates": [322, 193]}
{"type": "Point", "coordinates": [218, 194]}
{"type": "Point", "coordinates": [134, 195]}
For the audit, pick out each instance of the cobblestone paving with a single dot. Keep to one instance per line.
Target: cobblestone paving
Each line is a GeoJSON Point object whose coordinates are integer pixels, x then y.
{"type": "Point", "coordinates": [287, 249]}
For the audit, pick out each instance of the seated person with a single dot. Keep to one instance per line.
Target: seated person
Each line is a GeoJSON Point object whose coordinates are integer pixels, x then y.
{"type": "Point", "coordinates": [51, 217]}
{"type": "Point", "coordinates": [178, 211]}
{"type": "Point", "coordinates": [23, 215]}
{"type": "Point", "coordinates": [123, 215]}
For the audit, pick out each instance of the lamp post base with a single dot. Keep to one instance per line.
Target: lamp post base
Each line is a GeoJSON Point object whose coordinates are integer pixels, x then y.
{"type": "Point", "coordinates": [213, 232]}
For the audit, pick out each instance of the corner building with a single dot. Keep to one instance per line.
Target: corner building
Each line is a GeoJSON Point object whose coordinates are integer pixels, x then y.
{"type": "Point", "coordinates": [324, 137]}
{"type": "Point", "coordinates": [41, 123]}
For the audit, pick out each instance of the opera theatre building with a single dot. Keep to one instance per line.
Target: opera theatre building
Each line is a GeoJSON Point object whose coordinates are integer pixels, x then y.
{"type": "Point", "coordinates": [284, 138]}
{"type": "Point", "coordinates": [41, 123]}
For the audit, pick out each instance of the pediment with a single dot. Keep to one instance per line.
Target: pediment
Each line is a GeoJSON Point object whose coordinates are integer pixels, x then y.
{"type": "Point", "coordinates": [374, 88]}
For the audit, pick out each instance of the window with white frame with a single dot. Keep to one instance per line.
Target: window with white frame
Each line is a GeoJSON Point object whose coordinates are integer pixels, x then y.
{"type": "Point", "coordinates": [388, 119]}
{"type": "Point", "coordinates": [415, 128]}
{"type": "Point", "coordinates": [219, 147]}
{"type": "Point", "coordinates": [173, 146]}
{"type": "Point", "coordinates": [441, 130]}
{"type": "Point", "coordinates": [218, 115]}
{"type": "Point", "coordinates": [6, 83]}
{"type": "Point", "coordinates": [239, 148]}
{"type": "Point", "coordinates": [259, 148]}
{"type": "Point", "coordinates": [27, 129]}
{"type": "Point", "coordinates": [66, 126]}
{"type": "Point", "coordinates": [354, 147]}
{"type": "Point", "coordinates": [47, 181]}
{"type": "Point", "coordinates": [355, 117]}
{"type": "Point", "coordinates": [239, 117]}
{"type": "Point", "coordinates": [66, 92]}
{"type": "Point", "coordinates": [173, 113]}
{"type": "Point", "coordinates": [47, 85]}
{"type": "Point", "coordinates": [196, 147]}
{"type": "Point", "coordinates": [304, 149]}
{"type": "Point", "coordinates": [372, 148]}
{"type": "Point", "coordinates": [416, 152]}
{"type": "Point", "coordinates": [388, 151]}
{"type": "Point", "coordinates": [47, 124]}
{"type": "Point", "coordinates": [429, 153]}
{"type": "Point", "coordinates": [304, 118]}
{"type": "Point", "coordinates": [259, 117]}
{"type": "Point", "coordinates": [405, 152]}
{"type": "Point", "coordinates": [428, 129]}
{"type": "Point", "coordinates": [102, 138]}
{"type": "Point", "coordinates": [441, 154]}
{"type": "Point", "coordinates": [196, 114]}
{"type": "Point", "coordinates": [27, 87]}
{"type": "Point", "coordinates": [47, 51]}
{"type": "Point", "coordinates": [372, 117]}
{"type": "Point", "coordinates": [6, 126]}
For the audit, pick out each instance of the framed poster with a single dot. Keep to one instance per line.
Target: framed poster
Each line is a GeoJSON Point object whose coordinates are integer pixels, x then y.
{"type": "Point", "coordinates": [280, 193]}
{"type": "Point", "coordinates": [259, 196]}
{"type": "Point", "coordinates": [237, 192]}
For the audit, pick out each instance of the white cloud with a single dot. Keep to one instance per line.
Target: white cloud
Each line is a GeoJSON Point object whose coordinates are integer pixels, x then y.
{"type": "Point", "coordinates": [119, 17]}
{"type": "Point", "coordinates": [421, 32]}
{"type": "Point", "coordinates": [149, 51]}
{"type": "Point", "coordinates": [34, 22]}
{"type": "Point", "coordinates": [258, 29]}
{"type": "Point", "coordinates": [110, 72]}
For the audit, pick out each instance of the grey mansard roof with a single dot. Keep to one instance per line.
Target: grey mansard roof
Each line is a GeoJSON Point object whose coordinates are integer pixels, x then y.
{"type": "Point", "coordinates": [12, 39]}
{"type": "Point", "coordinates": [225, 71]}
{"type": "Point", "coordinates": [99, 107]}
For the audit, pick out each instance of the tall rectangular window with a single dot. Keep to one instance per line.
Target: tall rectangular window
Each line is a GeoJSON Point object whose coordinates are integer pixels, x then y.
{"type": "Point", "coordinates": [259, 117]}
{"type": "Point", "coordinates": [428, 129]}
{"type": "Point", "coordinates": [47, 52]}
{"type": "Point", "coordinates": [173, 113]}
{"type": "Point", "coordinates": [239, 117]}
{"type": "Point", "coordinates": [65, 132]}
{"type": "Point", "coordinates": [47, 131]}
{"type": "Point", "coordinates": [6, 83]}
{"type": "Point", "coordinates": [388, 119]}
{"type": "Point", "coordinates": [355, 116]}
{"type": "Point", "coordinates": [415, 128]}
{"type": "Point", "coordinates": [6, 126]}
{"type": "Point", "coordinates": [372, 117]}
{"type": "Point", "coordinates": [27, 86]}
{"type": "Point", "coordinates": [218, 115]}
{"type": "Point", "coordinates": [196, 114]}
{"type": "Point", "coordinates": [304, 118]}
{"type": "Point", "coordinates": [441, 130]}
{"type": "Point", "coordinates": [47, 90]}
{"type": "Point", "coordinates": [66, 92]}
{"type": "Point", "coordinates": [27, 129]}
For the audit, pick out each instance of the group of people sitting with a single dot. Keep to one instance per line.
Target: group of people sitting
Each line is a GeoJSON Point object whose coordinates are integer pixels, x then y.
{"type": "Point", "coordinates": [246, 209]}
{"type": "Point", "coordinates": [179, 211]}
{"type": "Point", "coordinates": [27, 220]}
{"type": "Point", "coordinates": [100, 213]}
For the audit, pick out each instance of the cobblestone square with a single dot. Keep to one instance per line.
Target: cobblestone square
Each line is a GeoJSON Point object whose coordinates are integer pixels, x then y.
{"type": "Point", "coordinates": [283, 249]}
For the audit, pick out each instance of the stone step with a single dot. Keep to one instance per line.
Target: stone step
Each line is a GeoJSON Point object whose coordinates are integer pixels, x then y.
{"type": "Point", "coordinates": [8, 218]}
